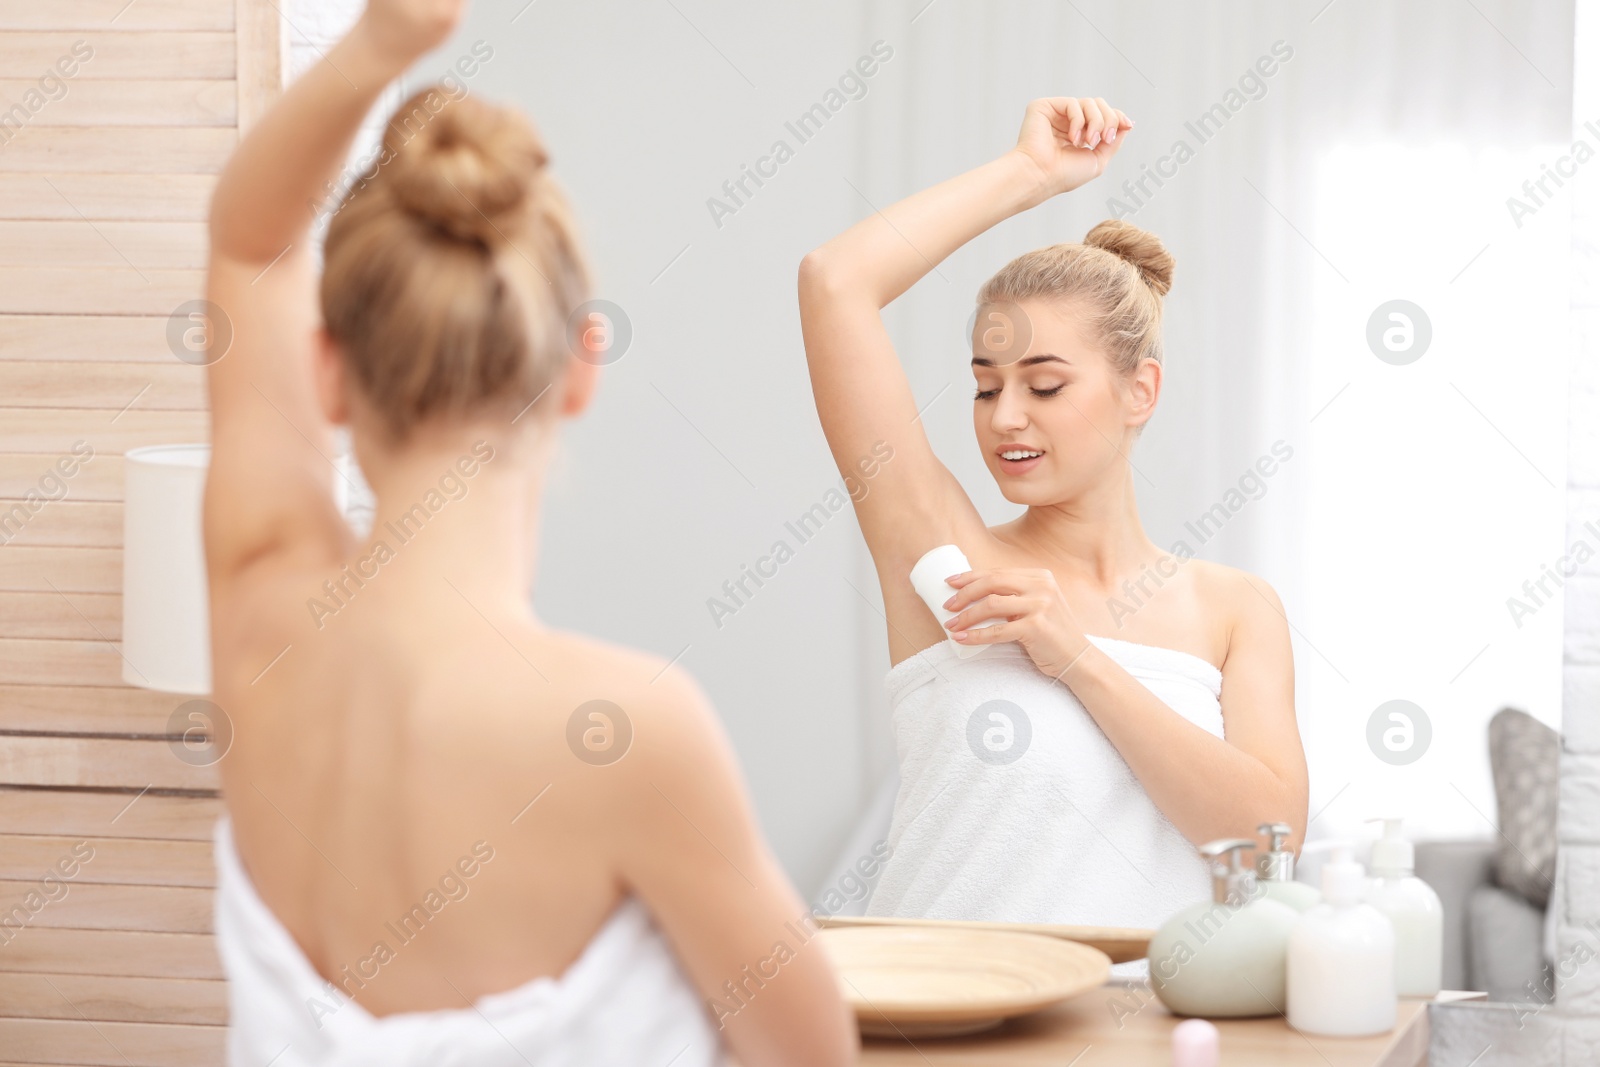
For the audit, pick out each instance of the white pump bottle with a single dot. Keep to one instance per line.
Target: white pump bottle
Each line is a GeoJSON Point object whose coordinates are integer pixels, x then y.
{"type": "Point", "coordinates": [1223, 958]}
{"type": "Point", "coordinates": [1275, 870]}
{"type": "Point", "coordinates": [1340, 963]}
{"type": "Point", "coordinates": [1414, 909]}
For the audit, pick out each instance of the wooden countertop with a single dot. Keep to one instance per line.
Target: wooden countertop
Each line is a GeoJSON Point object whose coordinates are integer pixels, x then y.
{"type": "Point", "coordinates": [1125, 1025]}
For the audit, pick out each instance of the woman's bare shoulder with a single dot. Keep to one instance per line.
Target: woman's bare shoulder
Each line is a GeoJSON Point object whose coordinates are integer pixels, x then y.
{"type": "Point", "coordinates": [650, 676]}
{"type": "Point", "coordinates": [609, 694]}
{"type": "Point", "coordinates": [1231, 583]}
{"type": "Point", "coordinates": [640, 741]}
{"type": "Point", "coordinates": [1246, 606]}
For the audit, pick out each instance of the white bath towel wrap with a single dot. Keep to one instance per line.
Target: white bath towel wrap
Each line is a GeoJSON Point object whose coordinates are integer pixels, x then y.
{"type": "Point", "coordinates": [1014, 807]}
{"type": "Point", "coordinates": [624, 1001]}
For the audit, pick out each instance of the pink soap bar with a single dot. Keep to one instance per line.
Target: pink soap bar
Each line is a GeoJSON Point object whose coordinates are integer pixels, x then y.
{"type": "Point", "coordinates": [1195, 1043]}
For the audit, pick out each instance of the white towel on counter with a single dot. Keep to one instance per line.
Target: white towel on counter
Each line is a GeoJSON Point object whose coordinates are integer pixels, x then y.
{"type": "Point", "coordinates": [623, 1001]}
{"type": "Point", "coordinates": [1063, 833]}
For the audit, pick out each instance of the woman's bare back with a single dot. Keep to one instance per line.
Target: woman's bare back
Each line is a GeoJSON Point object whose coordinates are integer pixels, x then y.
{"type": "Point", "coordinates": [402, 789]}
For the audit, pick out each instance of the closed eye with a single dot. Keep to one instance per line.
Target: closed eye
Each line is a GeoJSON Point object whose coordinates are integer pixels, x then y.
{"type": "Point", "coordinates": [1044, 394]}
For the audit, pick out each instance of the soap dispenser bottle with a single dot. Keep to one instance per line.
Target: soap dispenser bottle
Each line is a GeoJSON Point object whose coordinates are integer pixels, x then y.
{"type": "Point", "coordinates": [1414, 909]}
{"type": "Point", "coordinates": [1275, 870]}
{"type": "Point", "coordinates": [1224, 958]}
{"type": "Point", "coordinates": [1340, 971]}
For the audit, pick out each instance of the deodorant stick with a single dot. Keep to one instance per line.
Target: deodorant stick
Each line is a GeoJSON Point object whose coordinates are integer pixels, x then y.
{"type": "Point", "coordinates": [928, 579]}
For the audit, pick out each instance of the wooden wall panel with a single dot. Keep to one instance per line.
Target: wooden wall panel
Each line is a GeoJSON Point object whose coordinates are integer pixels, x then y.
{"type": "Point", "coordinates": [115, 861]}
{"type": "Point", "coordinates": [85, 291]}
{"type": "Point", "coordinates": [45, 434]}
{"type": "Point", "coordinates": [67, 814]}
{"type": "Point", "coordinates": [91, 338]}
{"type": "Point", "coordinates": [62, 523]}
{"type": "Point", "coordinates": [54, 708]}
{"type": "Point", "coordinates": [60, 570]}
{"type": "Point", "coordinates": [121, 14]}
{"type": "Point", "coordinates": [99, 762]}
{"type": "Point", "coordinates": [157, 909]}
{"type": "Point", "coordinates": [106, 999]}
{"type": "Point", "coordinates": [105, 244]}
{"type": "Point", "coordinates": [159, 56]}
{"type": "Point", "coordinates": [43, 661]}
{"type": "Point", "coordinates": [99, 479]}
{"type": "Point", "coordinates": [169, 386]}
{"type": "Point", "coordinates": [125, 102]}
{"type": "Point", "coordinates": [260, 47]}
{"type": "Point", "coordinates": [81, 616]}
{"type": "Point", "coordinates": [38, 148]}
{"type": "Point", "coordinates": [126, 953]}
{"type": "Point", "coordinates": [85, 1044]}
{"type": "Point", "coordinates": [104, 195]}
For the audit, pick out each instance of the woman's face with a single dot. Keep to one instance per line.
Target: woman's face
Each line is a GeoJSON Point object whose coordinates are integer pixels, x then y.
{"type": "Point", "coordinates": [1050, 412]}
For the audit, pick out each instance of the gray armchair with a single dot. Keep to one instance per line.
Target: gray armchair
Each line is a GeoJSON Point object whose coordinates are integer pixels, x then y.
{"type": "Point", "coordinates": [1493, 938]}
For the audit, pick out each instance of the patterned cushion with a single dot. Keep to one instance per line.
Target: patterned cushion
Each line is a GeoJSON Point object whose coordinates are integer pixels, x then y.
{"type": "Point", "coordinates": [1525, 758]}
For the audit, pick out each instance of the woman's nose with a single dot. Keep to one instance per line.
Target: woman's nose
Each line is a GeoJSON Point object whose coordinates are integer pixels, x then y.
{"type": "Point", "coordinates": [1008, 415]}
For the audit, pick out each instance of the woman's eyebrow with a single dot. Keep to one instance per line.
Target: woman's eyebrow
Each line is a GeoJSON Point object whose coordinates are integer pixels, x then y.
{"type": "Point", "coordinates": [1027, 361]}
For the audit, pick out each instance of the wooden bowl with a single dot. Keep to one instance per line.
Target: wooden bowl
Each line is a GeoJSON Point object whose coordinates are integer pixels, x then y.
{"type": "Point", "coordinates": [919, 982]}
{"type": "Point", "coordinates": [1121, 943]}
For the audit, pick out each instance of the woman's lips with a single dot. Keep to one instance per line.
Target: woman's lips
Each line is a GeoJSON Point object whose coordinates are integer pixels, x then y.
{"type": "Point", "coordinates": [1019, 466]}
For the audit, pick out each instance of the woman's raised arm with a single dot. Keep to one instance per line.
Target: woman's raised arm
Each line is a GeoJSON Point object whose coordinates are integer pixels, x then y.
{"type": "Point", "coordinates": [863, 397]}
{"type": "Point", "coordinates": [270, 490]}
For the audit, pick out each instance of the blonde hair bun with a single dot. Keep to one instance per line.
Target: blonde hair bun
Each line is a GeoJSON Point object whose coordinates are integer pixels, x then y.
{"type": "Point", "coordinates": [465, 167]}
{"type": "Point", "coordinates": [1139, 247]}
{"type": "Point", "coordinates": [450, 275]}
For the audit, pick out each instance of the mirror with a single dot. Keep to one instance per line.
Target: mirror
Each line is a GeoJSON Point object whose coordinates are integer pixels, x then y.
{"type": "Point", "coordinates": [1362, 404]}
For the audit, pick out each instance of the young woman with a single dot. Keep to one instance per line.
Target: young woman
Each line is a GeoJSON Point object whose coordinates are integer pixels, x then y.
{"type": "Point", "coordinates": [454, 835]}
{"type": "Point", "coordinates": [1066, 772]}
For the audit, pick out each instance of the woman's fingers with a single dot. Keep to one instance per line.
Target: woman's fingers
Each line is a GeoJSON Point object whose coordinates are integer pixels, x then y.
{"type": "Point", "coordinates": [974, 585]}
{"type": "Point", "coordinates": [1082, 121]}
{"type": "Point", "coordinates": [1109, 132]}
{"type": "Point", "coordinates": [993, 606]}
{"type": "Point", "coordinates": [1096, 122]}
{"type": "Point", "coordinates": [964, 585]}
{"type": "Point", "coordinates": [1070, 116]}
{"type": "Point", "coordinates": [989, 635]}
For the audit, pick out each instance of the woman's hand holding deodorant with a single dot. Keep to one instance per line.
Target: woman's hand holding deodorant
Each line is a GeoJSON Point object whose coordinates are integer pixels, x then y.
{"type": "Point", "coordinates": [928, 578]}
{"type": "Point", "coordinates": [1032, 611]}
